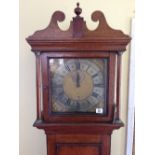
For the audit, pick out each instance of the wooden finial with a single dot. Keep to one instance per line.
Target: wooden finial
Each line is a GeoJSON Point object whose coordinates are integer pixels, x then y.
{"type": "Point", "coordinates": [77, 10]}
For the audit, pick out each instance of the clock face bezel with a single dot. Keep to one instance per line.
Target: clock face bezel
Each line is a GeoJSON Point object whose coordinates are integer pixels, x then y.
{"type": "Point", "coordinates": [75, 116]}
{"type": "Point", "coordinates": [104, 87]}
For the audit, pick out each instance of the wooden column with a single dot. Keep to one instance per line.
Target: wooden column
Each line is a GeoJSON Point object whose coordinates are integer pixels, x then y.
{"type": "Point", "coordinates": [118, 88]}
{"type": "Point", "coordinates": [38, 84]}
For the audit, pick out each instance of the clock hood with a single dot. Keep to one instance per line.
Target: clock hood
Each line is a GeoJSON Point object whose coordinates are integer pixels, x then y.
{"type": "Point", "coordinates": [78, 36]}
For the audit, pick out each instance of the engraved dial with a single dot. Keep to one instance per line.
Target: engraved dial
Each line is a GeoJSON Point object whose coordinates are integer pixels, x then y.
{"type": "Point", "coordinates": [78, 85]}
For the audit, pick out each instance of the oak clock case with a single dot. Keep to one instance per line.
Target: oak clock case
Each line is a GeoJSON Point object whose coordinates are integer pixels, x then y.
{"type": "Point", "coordinates": [78, 77]}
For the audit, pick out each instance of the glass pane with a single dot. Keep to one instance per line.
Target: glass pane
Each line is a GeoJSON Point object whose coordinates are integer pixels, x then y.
{"type": "Point", "coordinates": [78, 85]}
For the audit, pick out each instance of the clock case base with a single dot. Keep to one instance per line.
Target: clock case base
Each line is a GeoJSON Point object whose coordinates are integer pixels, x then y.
{"type": "Point", "coordinates": [78, 139]}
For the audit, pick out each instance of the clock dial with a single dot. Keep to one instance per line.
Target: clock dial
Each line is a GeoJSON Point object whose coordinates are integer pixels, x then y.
{"type": "Point", "coordinates": [78, 85]}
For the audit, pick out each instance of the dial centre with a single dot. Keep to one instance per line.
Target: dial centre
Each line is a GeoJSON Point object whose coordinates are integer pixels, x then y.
{"type": "Point", "coordinates": [78, 89]}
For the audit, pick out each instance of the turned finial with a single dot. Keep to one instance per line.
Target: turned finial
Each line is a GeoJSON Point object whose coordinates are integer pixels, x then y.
{"type": "Point", "coordinates": [77, 10]}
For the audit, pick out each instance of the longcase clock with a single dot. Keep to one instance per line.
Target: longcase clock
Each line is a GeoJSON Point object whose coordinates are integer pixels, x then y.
{"type": "Point", "coordinates": [78, 84]}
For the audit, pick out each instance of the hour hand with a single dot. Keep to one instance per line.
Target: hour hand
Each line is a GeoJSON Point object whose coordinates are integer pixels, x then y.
{"type": "Point", "coordinates": [77, 80]}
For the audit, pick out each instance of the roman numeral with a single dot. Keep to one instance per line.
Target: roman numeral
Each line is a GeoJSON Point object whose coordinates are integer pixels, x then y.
{"type": "Point", "coordinates": [59, 75]}
{"type": "Point", "coordinates": [61, 94]}
{"type": "Point", "coordinates": [67, 68]}
{"type": "Point", "coordinates": [88, 103]}
{"type": "Point", "coordinates": [68, 102]}
{"type": "Point", "coordinates": [77, 65]}
{"type": "Point", "coordinates": [95, 75]}
{"type": "Point", "coordinates": [95, 94]}
{"type": "Point", "coordinates": [57, 86]}
{"type": "Point", "coordinates": [78, 105]}
{"type": "Point", "coordinates": [99, 85]}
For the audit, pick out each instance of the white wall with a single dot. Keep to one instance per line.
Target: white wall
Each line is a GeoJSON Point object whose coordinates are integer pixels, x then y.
{"type": "Point", "coordinates": [35, 15]}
